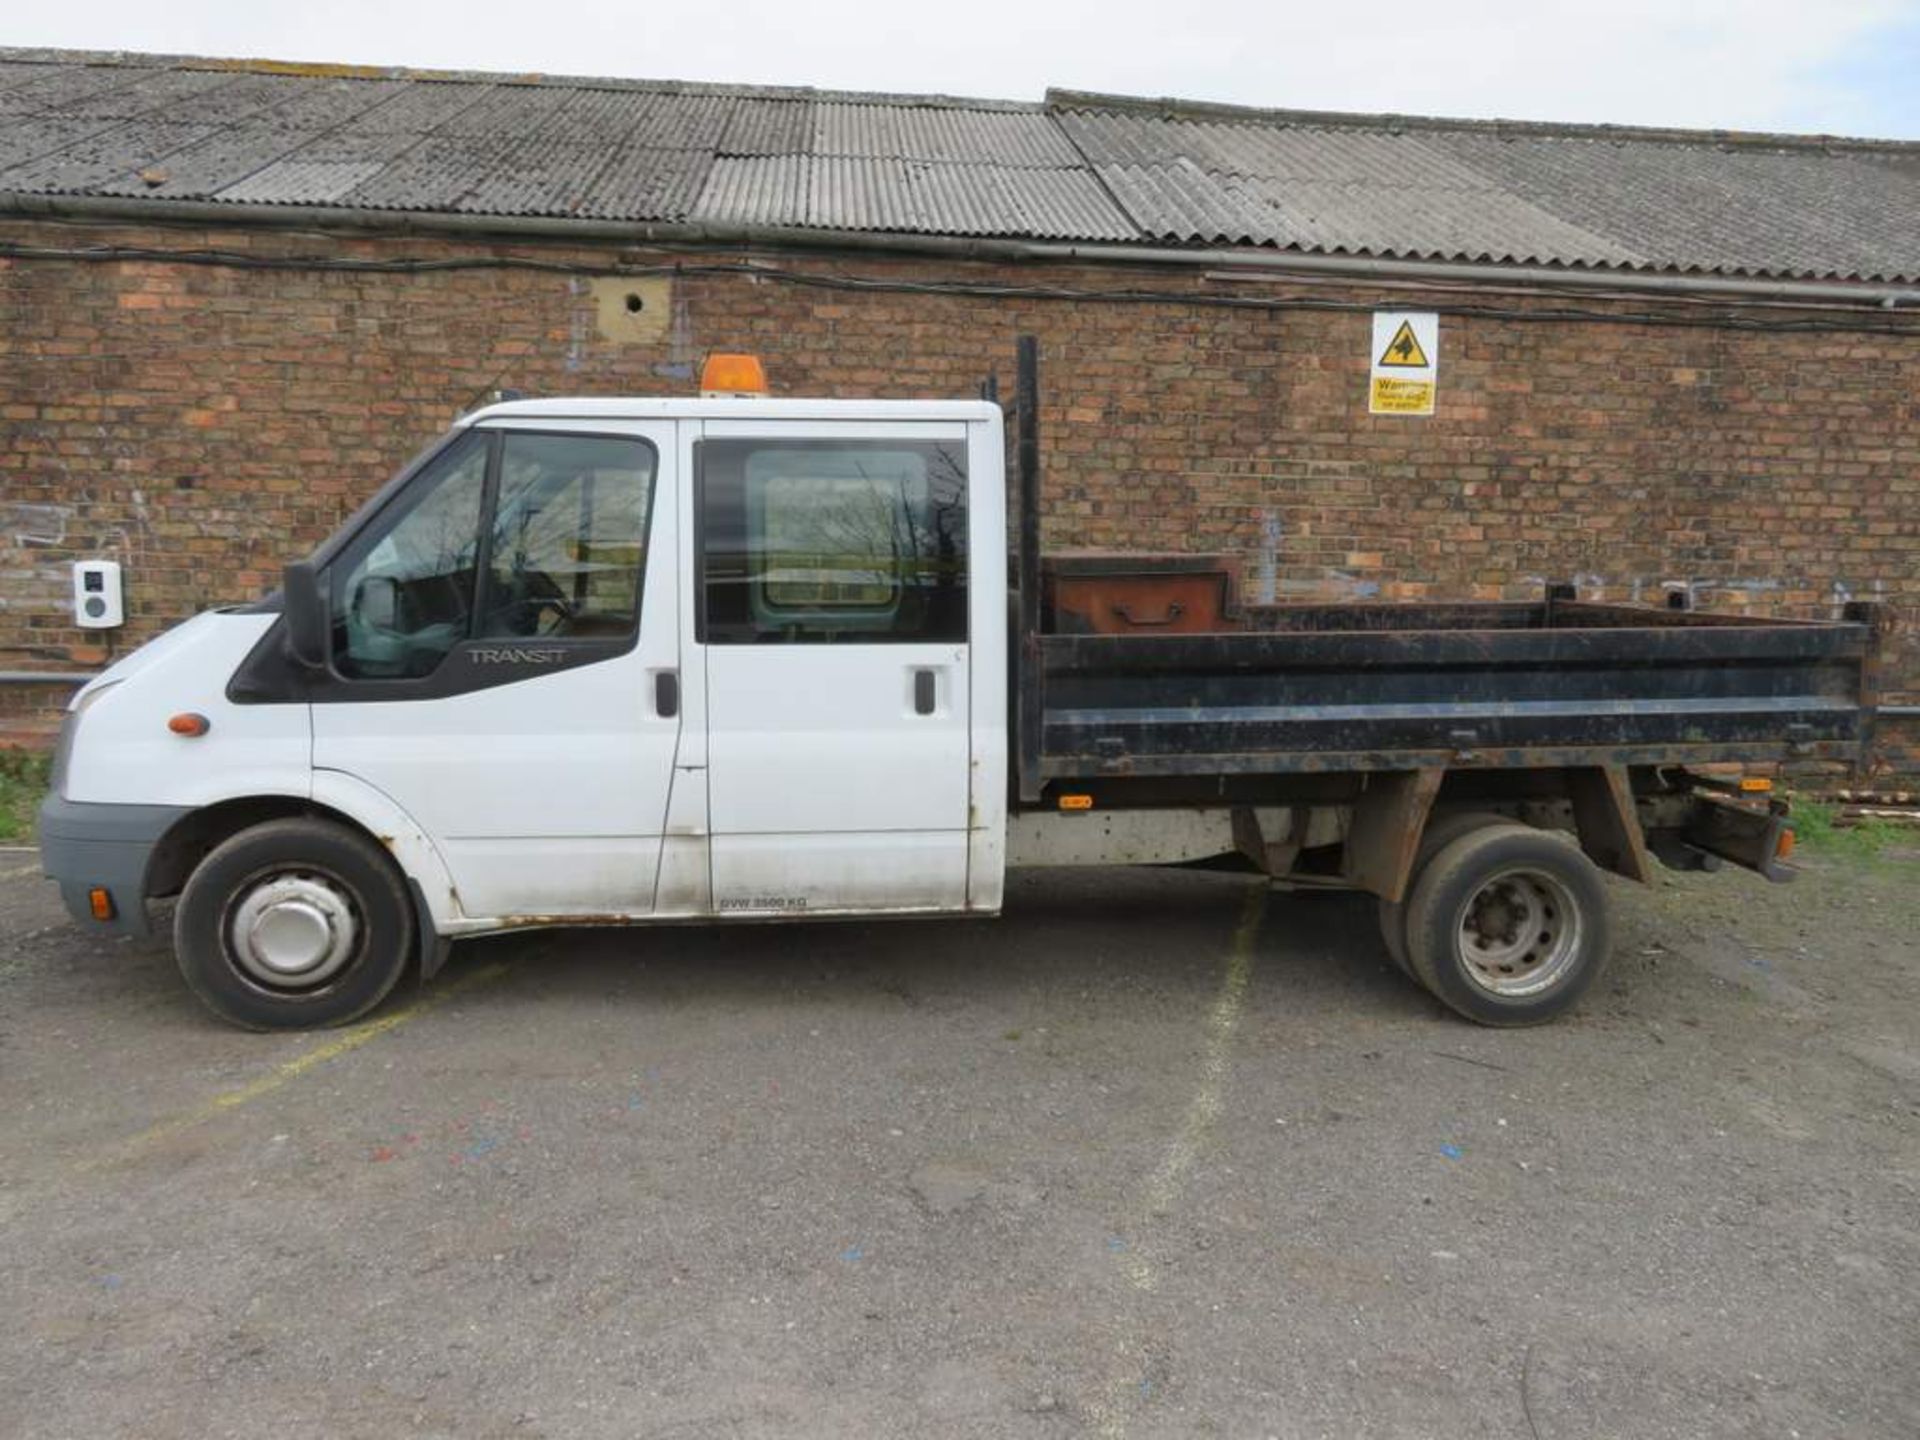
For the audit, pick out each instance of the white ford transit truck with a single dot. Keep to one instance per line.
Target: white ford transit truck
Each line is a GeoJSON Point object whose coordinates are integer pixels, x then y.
{"type": "Point", "coordinates": [633, 661]}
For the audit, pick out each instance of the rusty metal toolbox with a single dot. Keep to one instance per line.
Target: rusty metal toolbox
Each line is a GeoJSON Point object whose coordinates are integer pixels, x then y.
{"type": "Point", "coordinates": [1102, 594]}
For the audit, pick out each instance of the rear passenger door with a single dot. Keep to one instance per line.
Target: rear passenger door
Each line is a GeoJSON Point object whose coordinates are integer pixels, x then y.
{"type": "Point", "coordinates": [831, 610]}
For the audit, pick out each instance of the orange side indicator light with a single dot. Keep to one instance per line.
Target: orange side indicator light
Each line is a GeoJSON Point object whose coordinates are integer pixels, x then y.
{"type": "Point", "coordinates": [1783, 847]}
{"type": "Point", "coordinates": [100, 903]}
{"type": "Point", "coordinates": [725, 376]}
{"type": "Point", "coordinates": [1076, 802]}
{"type": "Point", "coordinates": [189, 724]}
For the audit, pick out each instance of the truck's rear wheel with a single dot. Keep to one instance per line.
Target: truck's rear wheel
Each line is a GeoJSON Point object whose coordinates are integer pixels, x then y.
{"type": "Point", "coordinates": [1441, 832]}
{"type": "Point", "coordinates": [291, 924]}
{"type": "Point", "coordinates": [1508, 925]}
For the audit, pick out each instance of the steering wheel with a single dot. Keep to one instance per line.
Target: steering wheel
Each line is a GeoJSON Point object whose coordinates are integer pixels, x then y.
{"type": "Point", "coordinates": [534, 593]}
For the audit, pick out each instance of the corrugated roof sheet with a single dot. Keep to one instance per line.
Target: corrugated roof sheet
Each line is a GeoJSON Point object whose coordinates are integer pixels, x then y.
{"type": "Point", "coordinates": [962, 137]}
{"type": "Point", "coordinates": [840, 192]}
{"type": "Point", "coordinates": [1179, 200]}
{"type": "Point", "coordinates": [41, 89]}
{"type": "Point", "coordinates": [1078, 167]}
{"type": "Point", "coordinates": [18, 72]}
{"type": "Point", "coordinates": [861, 193]}
{"type": "Point", "coordinates": [768, 127]}
{"type": "Point", "coordinates": [648, 185]}
{"type": "Point", "coordinates": [682, 122]}
{"type": "Point", "coordinates": [418, 110]}
{"type": "Point", "coordinates": [86, 164]}
{"type": "Point", "coordinates": [1709, 209]}
{"type": "Point", "coordinates": [756, 190]}
{"type": "Point", "coordinates": [303, 182]}
{"type": "Point", "coordinates": [138, 94]}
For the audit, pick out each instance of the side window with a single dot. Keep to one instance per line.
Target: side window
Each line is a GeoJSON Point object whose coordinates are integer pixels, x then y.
{"type": "Point", "coordinates": [405, 599]}
{"type": "Point", "coordinates": [835, 541]}
{"type": "Point", "coordinates": [569, 538]}
{"type": "Point", "coordinates": [553, 545]}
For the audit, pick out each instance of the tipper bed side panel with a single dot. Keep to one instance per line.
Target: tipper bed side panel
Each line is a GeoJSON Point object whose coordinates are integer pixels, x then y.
{"type": "Point", "coordinates": [1677, 688]}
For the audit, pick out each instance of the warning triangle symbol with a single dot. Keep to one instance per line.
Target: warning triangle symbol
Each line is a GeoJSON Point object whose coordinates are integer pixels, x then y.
{"type": "Point", "coordinates": [1404, 349]}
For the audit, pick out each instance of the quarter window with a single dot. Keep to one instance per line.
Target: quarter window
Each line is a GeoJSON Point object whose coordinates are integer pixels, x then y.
{"type": "Point", "coordinates": [407, 599]}
{"type": "Point", "coordinates": [848, 542]}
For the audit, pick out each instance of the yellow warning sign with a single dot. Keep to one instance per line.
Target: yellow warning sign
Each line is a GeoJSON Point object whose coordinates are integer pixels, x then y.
{"type": "Point", "coordinates": [1403, 351]}
{"type": "Point", "coordinates": [1404, 362]}
{"type": "Point", "coordinates": [1401, 397]}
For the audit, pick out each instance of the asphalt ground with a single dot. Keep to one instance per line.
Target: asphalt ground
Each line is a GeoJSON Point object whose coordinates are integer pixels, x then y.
{"type": "Point", "coordinates": [1157, 1154]}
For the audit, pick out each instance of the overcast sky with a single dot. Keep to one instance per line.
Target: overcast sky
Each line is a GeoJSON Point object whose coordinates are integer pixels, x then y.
{"type": "Point", "coordinates": [1840, 66]}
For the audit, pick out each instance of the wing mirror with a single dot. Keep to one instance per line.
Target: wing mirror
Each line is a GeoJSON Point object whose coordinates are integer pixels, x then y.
{"type": "Point", "coordinates": [306, 613]}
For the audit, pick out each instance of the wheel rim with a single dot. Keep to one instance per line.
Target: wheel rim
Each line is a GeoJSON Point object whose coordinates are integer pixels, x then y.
{"type": "Point", "coordinates": [1519, 933]}
{"type": "Point", "coordinates": [292, 929]}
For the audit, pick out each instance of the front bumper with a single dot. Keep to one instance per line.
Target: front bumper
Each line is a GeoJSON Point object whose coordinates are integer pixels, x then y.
{"type": "Point", "coordinates": [88, 847]}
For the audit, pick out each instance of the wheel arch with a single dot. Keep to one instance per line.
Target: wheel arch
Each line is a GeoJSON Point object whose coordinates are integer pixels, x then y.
{"type": "Point", "coordinates": [336, 797]}
{"type": "Point", "coordinates": [194, 835]}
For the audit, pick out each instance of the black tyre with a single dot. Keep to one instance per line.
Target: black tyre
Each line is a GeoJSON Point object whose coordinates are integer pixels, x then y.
{"type": "Point", "coordinates": [293, 924]}
{"type": "Point", "coordinates": [1508, 925]}
{"type": "Point", "coordinates": [1442, 831]}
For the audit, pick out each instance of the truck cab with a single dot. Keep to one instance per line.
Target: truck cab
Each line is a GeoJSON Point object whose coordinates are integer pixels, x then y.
{"type": "Point", "coordinates": [583, 661]}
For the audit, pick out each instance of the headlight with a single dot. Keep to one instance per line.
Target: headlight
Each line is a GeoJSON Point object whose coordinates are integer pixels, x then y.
{"type": "Point", "coordinates": [61, 751]}
{"type": "Point", "coordinates": [70, 727]}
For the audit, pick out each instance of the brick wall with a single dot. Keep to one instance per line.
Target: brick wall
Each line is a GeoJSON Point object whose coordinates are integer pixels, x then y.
{"type": "Point", "coordinates": [202, 424]}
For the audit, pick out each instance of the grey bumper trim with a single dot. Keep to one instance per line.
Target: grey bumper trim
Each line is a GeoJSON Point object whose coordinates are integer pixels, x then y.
{"type": "Point", "coordinates": [83, 846]}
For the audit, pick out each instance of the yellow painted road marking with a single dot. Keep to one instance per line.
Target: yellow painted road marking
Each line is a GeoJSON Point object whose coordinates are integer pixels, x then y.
{"type": "Point", "coordinates": [347, 1041]}
{"type": "Point", "coordinates": [1165, 1186]}
{"type": "Point", "coordinates": [1168, 1179]}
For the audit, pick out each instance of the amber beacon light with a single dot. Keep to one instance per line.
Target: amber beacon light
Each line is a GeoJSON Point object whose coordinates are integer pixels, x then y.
{"type": "Point", "coordinates": [727, 375]}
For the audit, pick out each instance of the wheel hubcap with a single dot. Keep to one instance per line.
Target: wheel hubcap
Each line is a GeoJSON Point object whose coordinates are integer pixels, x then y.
{"type": "Point", "coordinates": [1520, 933]}
{"type": "Point", "coordinates": [293, 931]}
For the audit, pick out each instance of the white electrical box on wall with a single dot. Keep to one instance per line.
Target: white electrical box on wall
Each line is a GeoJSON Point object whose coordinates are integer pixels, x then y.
{"type": "Point", "coordinates": [97, 600]}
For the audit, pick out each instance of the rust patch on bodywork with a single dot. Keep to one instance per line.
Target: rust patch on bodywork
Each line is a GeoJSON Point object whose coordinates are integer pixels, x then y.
{"type": "Point", "coordinates": [534, 922]}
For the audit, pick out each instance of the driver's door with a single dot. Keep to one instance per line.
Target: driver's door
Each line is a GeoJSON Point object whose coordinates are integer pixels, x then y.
{"type": "Point", "coordinates": [505, 658]}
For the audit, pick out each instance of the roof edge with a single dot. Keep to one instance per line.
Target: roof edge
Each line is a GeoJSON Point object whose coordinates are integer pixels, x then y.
{"type": "Point", "coordinates": [1852, 294]}
{"type": "Point", "coordinates": [1170, 108]}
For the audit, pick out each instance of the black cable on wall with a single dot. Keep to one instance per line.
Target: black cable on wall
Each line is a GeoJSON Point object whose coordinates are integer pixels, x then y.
{"type": "Point", "coordinates": [965, 289]}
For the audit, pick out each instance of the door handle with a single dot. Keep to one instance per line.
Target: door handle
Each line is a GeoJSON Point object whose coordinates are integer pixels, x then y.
{"type": "Point", "coordinates": [923, 692]}
{"type": "Point", "coordinates": [666, 693]}
{"type": "Point", "coordinates": [1174, 611]}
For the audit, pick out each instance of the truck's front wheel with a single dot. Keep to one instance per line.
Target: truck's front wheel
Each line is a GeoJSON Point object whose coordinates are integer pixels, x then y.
{"type": "Point", "coordinates": [1508, 925]}
{"type": "Point", "coordinates": [291, 924]}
